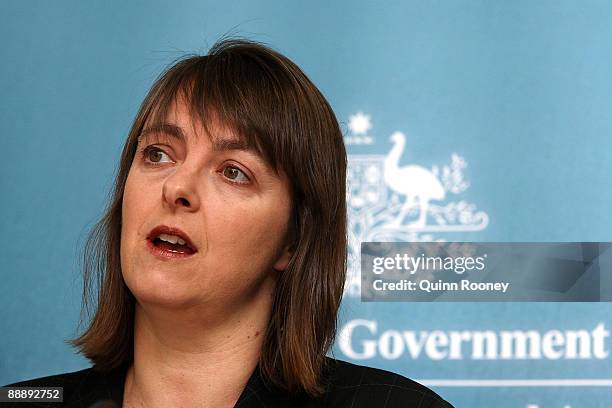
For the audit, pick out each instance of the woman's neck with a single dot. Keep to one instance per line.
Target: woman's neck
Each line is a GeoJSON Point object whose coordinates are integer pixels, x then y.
{"type": "Point", "coordinates": [183, 358]}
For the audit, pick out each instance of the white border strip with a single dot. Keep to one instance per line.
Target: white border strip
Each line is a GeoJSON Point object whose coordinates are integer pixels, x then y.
{"type": "Point", "coordinates": [518, 383]}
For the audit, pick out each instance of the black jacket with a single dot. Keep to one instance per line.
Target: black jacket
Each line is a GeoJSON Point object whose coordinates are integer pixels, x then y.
{"type": "Point", "coordinates": [349, 385]}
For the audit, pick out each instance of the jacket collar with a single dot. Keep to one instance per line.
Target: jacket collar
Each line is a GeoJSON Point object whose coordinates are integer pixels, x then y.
{"type": "Point", "coordinates": [98, 387]}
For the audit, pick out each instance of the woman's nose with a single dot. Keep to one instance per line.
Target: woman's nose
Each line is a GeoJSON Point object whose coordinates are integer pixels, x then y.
{"type": "Point", "coordinates": [179, 190]}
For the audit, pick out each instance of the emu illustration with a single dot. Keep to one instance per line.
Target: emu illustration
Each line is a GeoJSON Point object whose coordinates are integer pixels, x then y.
{"type": "Point", "coordinates": [412, 181]}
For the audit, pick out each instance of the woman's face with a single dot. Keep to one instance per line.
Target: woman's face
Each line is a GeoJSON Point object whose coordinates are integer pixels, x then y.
{"type": "Point", "coordinates": [234, 209]}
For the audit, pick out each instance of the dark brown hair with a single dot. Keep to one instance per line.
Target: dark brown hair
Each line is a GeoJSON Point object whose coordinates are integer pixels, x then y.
{"type": "Point", "coordinates": [271, 104]}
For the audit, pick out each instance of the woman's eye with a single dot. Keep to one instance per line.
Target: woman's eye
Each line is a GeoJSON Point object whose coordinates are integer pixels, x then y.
{"type": "Point", "coordinates": [235, 174]}
{"type": "Point", "coordinates": [154, 155]}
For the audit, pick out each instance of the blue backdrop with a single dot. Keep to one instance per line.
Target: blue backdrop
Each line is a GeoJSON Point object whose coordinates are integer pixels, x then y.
{"type": "Point", "coordinates": [503, 106]}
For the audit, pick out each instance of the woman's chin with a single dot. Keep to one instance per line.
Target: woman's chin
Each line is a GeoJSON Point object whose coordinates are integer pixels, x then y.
{"type": "Point", "coordinates": [164, 292]}
{"type": "Point", "coordinates": [168, 300]}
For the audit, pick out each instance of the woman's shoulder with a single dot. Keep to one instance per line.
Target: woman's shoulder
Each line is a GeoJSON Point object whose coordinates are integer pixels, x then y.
{"type": "Point", "coordinates": [362, 386]}
{"type": "Point", "coordinates": [79, 388]}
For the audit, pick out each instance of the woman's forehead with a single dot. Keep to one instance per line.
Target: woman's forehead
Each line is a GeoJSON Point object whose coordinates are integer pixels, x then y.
{"type": "Point", "coordinates": [185, 120]}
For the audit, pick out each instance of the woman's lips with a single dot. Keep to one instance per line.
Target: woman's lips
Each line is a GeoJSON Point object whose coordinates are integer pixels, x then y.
{"type": "Point", "coordinates": [165, 251]}
{"type": "Point", "coordinates": [165, 229]}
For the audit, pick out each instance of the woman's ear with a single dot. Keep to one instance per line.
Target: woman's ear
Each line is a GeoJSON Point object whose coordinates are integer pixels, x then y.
{"type": "Point", "coordinates": [285, 256]}
{"type": "Point", "coordinates": [283, 260]}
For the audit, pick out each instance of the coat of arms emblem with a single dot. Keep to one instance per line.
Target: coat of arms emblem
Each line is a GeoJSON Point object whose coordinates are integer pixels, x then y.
{"type": "Point", "coordinates": [387, 201]}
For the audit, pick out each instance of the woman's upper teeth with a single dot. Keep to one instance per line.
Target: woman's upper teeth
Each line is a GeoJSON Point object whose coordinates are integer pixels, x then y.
{"type": "Point", "coordinates": [173, 239]}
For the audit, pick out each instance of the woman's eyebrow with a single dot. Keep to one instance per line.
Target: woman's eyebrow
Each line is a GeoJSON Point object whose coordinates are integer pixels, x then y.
{"type": "Point", "coordinates": [165, 128]}
{"type": "Point", "coordinates": [219, 144]}
{"type": "Point", "coordinates": [232, 144]}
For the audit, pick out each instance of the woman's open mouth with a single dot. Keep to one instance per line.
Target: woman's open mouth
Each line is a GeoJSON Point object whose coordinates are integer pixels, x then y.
{"type": "Point", "coordinates": [169, 243]}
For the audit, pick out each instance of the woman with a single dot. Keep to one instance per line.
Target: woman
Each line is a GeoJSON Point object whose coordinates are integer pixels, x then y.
{"type": "Point", "coordinates": [221, 257]}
